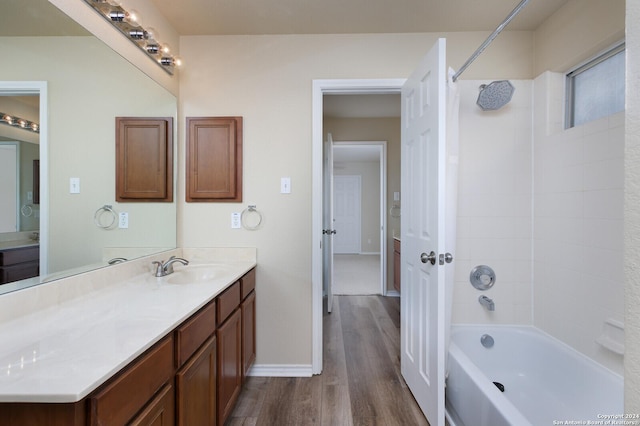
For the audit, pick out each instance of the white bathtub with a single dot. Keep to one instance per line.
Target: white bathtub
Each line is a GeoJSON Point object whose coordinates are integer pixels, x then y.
{"type": "Point", "coordinates": [544, 380]}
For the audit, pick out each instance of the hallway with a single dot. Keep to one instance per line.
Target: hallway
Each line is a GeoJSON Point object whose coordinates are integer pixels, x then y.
{"type": "Point", "coordinates": [360, 383]}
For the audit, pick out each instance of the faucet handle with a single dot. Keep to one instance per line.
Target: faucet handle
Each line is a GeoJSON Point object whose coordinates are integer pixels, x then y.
{"type": "Point", "coordinates": [159, 268]}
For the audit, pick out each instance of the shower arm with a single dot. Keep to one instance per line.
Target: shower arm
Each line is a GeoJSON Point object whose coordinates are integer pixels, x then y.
{"type": "Point", "coordinates": [489, 39]}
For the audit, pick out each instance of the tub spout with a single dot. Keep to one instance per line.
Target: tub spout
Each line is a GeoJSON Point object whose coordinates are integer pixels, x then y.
{"type": "Point", "coordinates": [487, 303]}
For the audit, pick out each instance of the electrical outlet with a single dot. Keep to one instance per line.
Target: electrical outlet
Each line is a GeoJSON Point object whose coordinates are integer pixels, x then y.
{"type": "Point", "coordinates": [123, 220]}
{"type": "Point", "coordinates": [236, 220]}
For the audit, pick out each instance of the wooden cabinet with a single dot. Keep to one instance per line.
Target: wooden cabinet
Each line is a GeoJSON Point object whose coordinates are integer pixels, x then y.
{"type": "Point", "coordinates": [19, 263]}
{"type": "Point", "coordinates": [117, 402]}
{"type": "Point", "coordinates": [144, 159]}
{"type": "Point", "coordinates": [196, 388]}
{"type": "Point", "coordinates": [159, 412]}
{"type": "Point", "coordinates": [248, 310]}
{"type": "Point", "coordinates": [396, 264]}
{"type": "Point", "coordinates": [229, 335]}
{"type": "Point", "coordinates": [193, 376]}
{"type": "Point", "coordinates": [214, 159]}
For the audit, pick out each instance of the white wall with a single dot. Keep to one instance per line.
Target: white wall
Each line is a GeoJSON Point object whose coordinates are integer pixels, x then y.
{"type": "Point", "coordinates": [494, 206]}
{"type": "Point", "coordinates": [578, 223]}
{"type": "Point", "coordinates": [632, 212]}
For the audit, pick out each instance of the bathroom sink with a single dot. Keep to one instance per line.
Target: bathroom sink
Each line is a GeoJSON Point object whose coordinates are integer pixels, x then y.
{"type": "Point", "coordinates": [193, 274]}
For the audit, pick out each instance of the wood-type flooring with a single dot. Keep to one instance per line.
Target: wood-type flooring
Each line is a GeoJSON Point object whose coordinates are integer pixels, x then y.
{"type": "Point", "coordinates": [360, 384]}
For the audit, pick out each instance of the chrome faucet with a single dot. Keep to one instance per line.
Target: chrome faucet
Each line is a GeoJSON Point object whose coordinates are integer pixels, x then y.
{"type": "Point", "coordinates": [487, 303]}
{"type": "Point", "coordinates": [166, 268]}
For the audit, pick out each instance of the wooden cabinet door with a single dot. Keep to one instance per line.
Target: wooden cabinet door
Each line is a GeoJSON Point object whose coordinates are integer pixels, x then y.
{"type": "Point", "coordinates": [229, 365]}
{"type": "Point", "coordinates": [248, 309]}
{"type": "Point", "coordinates": [214, 159]}
{"type": "Point", "coordinates": [144, 159]}
{"type": "Point", "coordinates": [159, 412]}
{"type": "Point", "coordinates": [196, 388]}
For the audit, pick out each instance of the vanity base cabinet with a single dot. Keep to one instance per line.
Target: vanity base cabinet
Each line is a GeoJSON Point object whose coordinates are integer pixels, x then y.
{"type": "Point", "coordinates": [160, 411]}
{"type": "Point", "coordinates": [192, 376]}
{"type": "Point", "coordinates": [229, 365]}
{"type": "Point", "coordinates": [121, 399]}
{"type": "Point", "coordinates": [196, 388]}
{"type": "Point", "coordinates": [19, 263]}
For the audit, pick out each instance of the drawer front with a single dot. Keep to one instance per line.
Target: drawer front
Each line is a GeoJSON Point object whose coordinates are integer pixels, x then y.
{"type": "Point", "coordinates": [13, 256]}
{"type": "Point", "coordinates": [194, 332]}
{"type": "Point", "coordinates": [248, 283]}
{"type": "Point", "coordinates": [122, 398]}
{"type": "Point", "coordinates": [228, 301]}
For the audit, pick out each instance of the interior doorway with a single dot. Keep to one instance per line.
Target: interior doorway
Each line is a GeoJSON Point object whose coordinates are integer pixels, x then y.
{"type": "Point", "coordinates": [321, 88]}
{"type": "Point", "coordinates": [360, 243]}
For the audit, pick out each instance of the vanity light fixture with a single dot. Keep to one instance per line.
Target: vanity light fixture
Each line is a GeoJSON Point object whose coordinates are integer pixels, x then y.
{"type": "Point", "coordinates": [129, 23]}
{"type": "Point", "coordinates": [13, 121]}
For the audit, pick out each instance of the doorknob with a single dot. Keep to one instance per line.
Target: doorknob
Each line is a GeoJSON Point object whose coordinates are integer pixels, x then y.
{"type": "Point", "coordinates": [447, 257]}
{"type": "Point", "coordinates": [431, 257]}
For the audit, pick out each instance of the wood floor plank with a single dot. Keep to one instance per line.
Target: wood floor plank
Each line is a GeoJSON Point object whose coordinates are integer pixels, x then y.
{"type": "Point", "coordinates": [336, 406]}
{"type": "Point", "coordinates": [361, 383]}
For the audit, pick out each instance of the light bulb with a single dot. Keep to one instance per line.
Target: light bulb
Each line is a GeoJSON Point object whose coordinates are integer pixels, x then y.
{"type": "Point", "coordinates": [151, 34]}
{"type": "Point", "coordinates": [8, 119]}
{"type": "Point", "coordinates": [152, 48]}
{"type": "Point", "coordinates": [117, 3]}
{"type": "Point", "coordinates": [165, 48]}
{"type": "Point", "coordinates": [133, 18]}
{"type": "Point", "coordinates": [177, 61]}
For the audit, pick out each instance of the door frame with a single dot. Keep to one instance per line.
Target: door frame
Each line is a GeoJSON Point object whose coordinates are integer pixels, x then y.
{"type": "Point", "coordinates": [319, 89]}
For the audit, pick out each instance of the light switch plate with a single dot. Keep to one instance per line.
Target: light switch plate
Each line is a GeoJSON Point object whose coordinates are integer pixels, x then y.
{"type": "Point", "coordinates": [285, 185]}
{"type": "Point", "coordinates": [74, 185]}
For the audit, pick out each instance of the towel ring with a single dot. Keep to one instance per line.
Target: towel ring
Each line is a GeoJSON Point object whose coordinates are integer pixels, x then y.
{"type": "Point", "coordinates": [97, 217]}
{"type": "Point", "coordinates": [246, 214]}
{"type": "Point", "coordinates": [26, 210]}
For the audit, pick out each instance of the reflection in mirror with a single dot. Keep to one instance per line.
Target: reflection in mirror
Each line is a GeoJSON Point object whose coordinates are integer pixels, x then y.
{"type": "Point", "coordinates": [88, 85]}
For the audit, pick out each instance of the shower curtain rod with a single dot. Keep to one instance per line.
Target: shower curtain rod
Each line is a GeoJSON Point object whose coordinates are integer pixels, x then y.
{"type": "Point", "coordinates": [489, 39]}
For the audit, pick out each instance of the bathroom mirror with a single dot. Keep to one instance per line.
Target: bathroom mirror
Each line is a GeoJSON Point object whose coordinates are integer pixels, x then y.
{"type": "Point", "coordinates": [88, 85]}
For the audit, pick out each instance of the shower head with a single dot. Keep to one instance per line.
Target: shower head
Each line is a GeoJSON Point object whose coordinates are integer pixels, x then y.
{"type": "Point", "coordinates": [495, 95]}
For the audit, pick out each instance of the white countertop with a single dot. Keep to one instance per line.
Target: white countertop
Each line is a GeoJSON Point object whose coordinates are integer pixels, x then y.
{"type": "Point", "coordinates": [65, 351]}
{"type": "Point", "coordinates": [18, 244]}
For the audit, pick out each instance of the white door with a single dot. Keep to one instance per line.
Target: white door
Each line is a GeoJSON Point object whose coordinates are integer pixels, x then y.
{"type": "Point", "coordinates": [422, 228]}
{"type": "Point", "coordinates": [327, 220]}
{"type": "Point", "coordinates": [347, 216]}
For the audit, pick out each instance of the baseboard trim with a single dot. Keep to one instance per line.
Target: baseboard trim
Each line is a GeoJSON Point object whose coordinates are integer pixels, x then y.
{"type": "Point", "coordinates": [393, 293]}
{"type": "Point", "coordinates": [281, 370]}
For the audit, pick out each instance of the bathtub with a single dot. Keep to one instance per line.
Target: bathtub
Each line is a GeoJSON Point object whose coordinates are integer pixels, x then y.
{"type": "Point", "coordinates": [544, 380]}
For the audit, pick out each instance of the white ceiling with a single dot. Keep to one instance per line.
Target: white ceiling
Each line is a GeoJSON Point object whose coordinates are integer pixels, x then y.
{"type": "Point", "coordinates": [208, 17]}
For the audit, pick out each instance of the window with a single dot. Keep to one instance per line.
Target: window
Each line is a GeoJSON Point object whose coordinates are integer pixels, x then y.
{"type": "Point", "coordinates": [596, 89]}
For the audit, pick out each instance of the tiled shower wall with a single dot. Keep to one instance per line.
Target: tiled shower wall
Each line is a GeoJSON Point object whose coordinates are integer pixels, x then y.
{"type": "Point", "coordinates": [578, 223]}
{"type": "Point", "coordinates": [494, 206]}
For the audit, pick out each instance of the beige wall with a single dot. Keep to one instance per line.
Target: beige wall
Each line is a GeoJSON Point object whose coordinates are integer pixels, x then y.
{"type": "Point", "coordinates": [578, 31]}
{"type": "Point", "coordinates": [268, 81]}
{"type": "Point", "coordinates": [632, 212]}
